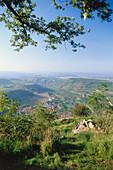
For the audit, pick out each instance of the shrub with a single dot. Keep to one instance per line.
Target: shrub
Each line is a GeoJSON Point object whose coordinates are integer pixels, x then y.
{"type": "Point", "coordinates": [80, 110]}
{"type": "Point", "coordinates": [47, 144]}
{"type": "Point", "coordinates": [46, 147]}
{"type": "Point", "coordinates": [18, 131]}
{"type": "Point", "coordinates": [104, 123]}
{"type": "Point", "coordinates": [98, 101]}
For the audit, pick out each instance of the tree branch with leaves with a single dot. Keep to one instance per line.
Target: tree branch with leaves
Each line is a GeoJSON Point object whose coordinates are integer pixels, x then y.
{"type": "Point", "coordinates": [19, 17]}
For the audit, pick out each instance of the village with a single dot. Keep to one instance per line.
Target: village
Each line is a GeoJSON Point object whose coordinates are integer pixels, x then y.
{"type": "Point", "coordinates": [60, 105]}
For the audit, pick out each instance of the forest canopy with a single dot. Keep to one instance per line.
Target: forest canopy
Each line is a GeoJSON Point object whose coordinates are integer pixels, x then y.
{"type": "Point", "coordinates": [20, 17]}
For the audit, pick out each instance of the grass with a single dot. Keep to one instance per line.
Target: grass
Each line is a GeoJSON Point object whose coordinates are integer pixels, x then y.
{"type": "Point", "coordinates": [86, 150]}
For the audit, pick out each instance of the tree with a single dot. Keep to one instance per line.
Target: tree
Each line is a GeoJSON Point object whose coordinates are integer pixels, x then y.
{"type": "Point", "coordinates": [43, 119]}
{"type": "Point", "coordinates": [18, 16]}
{"type": "Point", "coordinates": [98, 101]}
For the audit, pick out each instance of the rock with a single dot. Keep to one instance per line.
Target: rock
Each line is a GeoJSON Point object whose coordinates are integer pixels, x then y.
{"type": "Point", "coordinates": [91, 125]}
{"type": "Point", "coordinates": [83, 126]}
{"type": "Point", "coordinates": [89, 120]}
{"type": "Point", "coordinates": [62, 137]}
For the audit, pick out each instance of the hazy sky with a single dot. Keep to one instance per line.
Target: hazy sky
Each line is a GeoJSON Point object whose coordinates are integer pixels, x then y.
{"type": "Point", "coordinates": [97, 57]}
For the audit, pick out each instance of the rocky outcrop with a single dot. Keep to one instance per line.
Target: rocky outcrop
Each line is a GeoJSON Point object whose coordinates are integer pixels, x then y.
{"type": "Point", "coordinates": [83, 126]}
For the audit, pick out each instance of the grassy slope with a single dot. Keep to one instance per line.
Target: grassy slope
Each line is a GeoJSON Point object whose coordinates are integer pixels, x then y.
{"type": "Point", "coordinates": [87, 150]}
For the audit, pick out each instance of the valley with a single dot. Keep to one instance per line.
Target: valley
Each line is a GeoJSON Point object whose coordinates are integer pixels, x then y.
{"type": "Point", "coordinates": [57, 93]}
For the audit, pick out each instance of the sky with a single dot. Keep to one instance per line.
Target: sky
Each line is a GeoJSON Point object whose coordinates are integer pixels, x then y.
{"type": "Point", "coordinates": [97, 57]}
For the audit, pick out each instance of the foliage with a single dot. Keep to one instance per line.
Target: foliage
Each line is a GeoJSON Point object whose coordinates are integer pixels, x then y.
{"type": "Point", "coordinates": [43, 120]}
{"type": "Point", "coordinates": [80, 110]}
{"type": "Point", "coordinates": [20, 18]}
{"type": "Point", "coordinates": [7, 105]}
{"type": "Point", "coordinates": [47, 145]}
{"type": "Point", "coordinates": [98, 100]}
{"type": "Point", "coordinates": [88, 150]}
{"type": "Point", "coordinates": [19, 130]}
{"type": "Point", "coordinates": [88, 7]}
{"type": "Point", "coordinates": [15, 129]}
{"type": "Point", "coordinates": [104, 123]}
{"type": "Point", "coordinates": [37, 141]}
{"type": "Point", "coordinates": [22, 135]}
{"type": "Point", "coordinates": [16, 132]}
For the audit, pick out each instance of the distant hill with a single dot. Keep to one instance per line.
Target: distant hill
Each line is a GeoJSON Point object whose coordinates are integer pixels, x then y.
{"type": "Point", "coordinates": [8, 74]}
{"type": "Point", "coordinates": [5, 82]}
{"type": "Point", "coordinates": [37, 88]}
{"type": "Point", "coordinates": [23, 91]}
{"type": "Point", "coordinates": [42, 88]}
{"type": "Point", "coordinates": [71, 83]}
{"type": "Point", "coordinates": [76, 89]}
{"type": "Point", "coordinates": [20, 95]}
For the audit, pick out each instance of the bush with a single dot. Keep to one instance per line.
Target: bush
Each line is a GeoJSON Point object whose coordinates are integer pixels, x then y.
{"type": "Point", "coordinates": [80, 110]}
{"type": "Point", "coordinates": [19, 131]}
{"type": "Point", "coordinates": [47, 145]}
{"type": "Point", "coordinates": [104, 123]}
{"type": "Point", "coordinates": [98, 101]}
